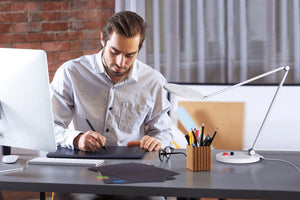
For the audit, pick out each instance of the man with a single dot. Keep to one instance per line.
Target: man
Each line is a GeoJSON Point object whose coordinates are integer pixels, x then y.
{"type": "Point", "coordinates": [121, 97]}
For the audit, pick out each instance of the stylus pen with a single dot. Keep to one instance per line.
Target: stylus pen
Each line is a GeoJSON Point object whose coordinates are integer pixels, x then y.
{"type": "Point", "coordinates": [90, 125]}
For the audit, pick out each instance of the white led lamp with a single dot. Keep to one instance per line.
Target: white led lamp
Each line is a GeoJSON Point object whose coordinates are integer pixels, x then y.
{"type": "Point", "coordinates": [236, 157]}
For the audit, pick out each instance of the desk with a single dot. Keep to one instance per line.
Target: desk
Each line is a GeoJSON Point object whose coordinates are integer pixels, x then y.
{"type": "Point", "coordinates": [263, 180]}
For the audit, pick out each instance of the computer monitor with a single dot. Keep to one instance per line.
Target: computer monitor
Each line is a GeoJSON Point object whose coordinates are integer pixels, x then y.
{"type": "Point", "coordinates": [26, 119]}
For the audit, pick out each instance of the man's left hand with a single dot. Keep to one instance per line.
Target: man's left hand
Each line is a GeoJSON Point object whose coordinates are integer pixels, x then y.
{"type": "Point", "coordinates": [147, 142]}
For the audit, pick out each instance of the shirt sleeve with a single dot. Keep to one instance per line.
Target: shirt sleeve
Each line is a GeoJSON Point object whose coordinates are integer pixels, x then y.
{"type": "Point", "coordinates": [61, 95]}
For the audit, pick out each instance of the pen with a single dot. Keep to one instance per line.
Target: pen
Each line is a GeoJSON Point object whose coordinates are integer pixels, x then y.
{"type": "Point", "coordinates": [195, 139]}
{"type": "Point", "coordinates": [213, 137]}
{"type": "Point", "coordinates": [90, 125]}
{"type": "Point", "coordinates": [201, 136]}
{"type": "Point", "coordinates": [197, 136]}
{"type": "Point", "coordinates": [206, 140]}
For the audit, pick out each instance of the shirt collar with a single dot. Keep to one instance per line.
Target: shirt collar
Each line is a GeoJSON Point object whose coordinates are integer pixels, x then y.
{"type": "Point", "coordinates": [98, 67]}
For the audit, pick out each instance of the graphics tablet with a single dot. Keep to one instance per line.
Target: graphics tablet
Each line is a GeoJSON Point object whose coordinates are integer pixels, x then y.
{"type": "Point", "coordinates": [111, 152]}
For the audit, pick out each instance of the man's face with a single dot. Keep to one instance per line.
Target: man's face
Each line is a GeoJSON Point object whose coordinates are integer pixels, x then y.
{"type": "Point", "coordinates": [119, 54]}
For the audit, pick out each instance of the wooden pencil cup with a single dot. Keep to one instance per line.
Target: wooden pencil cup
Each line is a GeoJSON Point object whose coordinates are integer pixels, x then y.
{"type": "Point", "coordinates": [198, 158]}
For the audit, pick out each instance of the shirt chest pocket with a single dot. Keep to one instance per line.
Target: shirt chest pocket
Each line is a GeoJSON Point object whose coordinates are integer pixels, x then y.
{"type": "Point", "coordinates": [132, 116]}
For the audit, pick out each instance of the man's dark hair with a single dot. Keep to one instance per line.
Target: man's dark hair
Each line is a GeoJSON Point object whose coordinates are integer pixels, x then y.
{"type": "Point", "coordinates": [125, 23]}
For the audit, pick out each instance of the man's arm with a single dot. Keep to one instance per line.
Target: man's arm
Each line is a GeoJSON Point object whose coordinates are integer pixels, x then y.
{"type": "Point", "coordinates": [158, 124]}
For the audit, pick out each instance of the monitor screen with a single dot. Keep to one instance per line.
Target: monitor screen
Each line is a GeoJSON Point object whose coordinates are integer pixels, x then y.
{"type": "Point", "coordinates": [26, 119]}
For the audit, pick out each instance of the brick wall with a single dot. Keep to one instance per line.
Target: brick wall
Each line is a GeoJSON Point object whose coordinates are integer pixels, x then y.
{"type": "Point", "coordinates": [65, 29]}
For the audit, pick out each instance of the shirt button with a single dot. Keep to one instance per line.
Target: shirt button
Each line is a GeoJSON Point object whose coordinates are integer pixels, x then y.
{"type": "Point", "coordinates": [107, 129]}
{"type": "Point", "coordinates": [110, 108]}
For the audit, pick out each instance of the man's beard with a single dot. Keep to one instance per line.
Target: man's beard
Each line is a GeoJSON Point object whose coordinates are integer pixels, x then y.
{"type": "Point", "coordinates": [111, 72]}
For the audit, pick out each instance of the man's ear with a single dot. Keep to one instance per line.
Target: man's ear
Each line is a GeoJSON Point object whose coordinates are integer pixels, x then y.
{"type": "Point", "coordinates": [102, 39]}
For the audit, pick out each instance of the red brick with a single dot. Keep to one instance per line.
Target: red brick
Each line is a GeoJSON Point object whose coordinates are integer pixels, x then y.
{"type": "Point", "coordinates": [55, 5]}
{"type": "Point", "coordinates": [6, 45]}
{"type": "Point", "coordinates": [75, 45]}
{"type": "Point", "coordinates": [26, 6]}
{"type": "Point", "coordinates": [63, 15]}
{"type": "Point", "coordinates": [53, 66]}
{"type": "Point", "coordinates": [75, 25]}
{"type": "Point", "coordinates": [76, 14]}
{"type": "Point", "coordinates": [97, 14]}
{"type": "Point", "coordinates": [40, 37]}
{"type": "Point", "coordinates": [82, 4]}
{"type": "Point", "coordinates": [51, 56]}
{"type": "Point", "coordinates": [89, 44]}
{"type": "Point", "coordinates": [90, 52]}
{"type": "Point", "coordinates": [13, 17]}
{"type": "Point", "coordinates": [27, 45]}
{"type": "Point", "coordinates": [5, 6]}
{"type": "Point", "coordinates": [105, 13]}
{"type": "Point", "coordinates": [105, 3]}
{"type": "Point", "coordinates": [19, 27]}
{"type": "Point", "coordinates": [48, 16]}
{"type": "Point", "coordinates": [12, 0]}
{"type": "Point", "coordinates": [68, 55]}
{"type": "Point", "coordinates": [9, 38]}
{"type": "Point", "coordinates": [34, 27]}
{"type": "Point", "coordinates": [91, 34]}
{"type": "Point", "coordinates": [5, 28]}
{"type": "Point", "coordinates": [51, 75]}
{"type": "Point", "coordinates": [91, 24]}
{"type": "Point", "coordinates": [35, 16]}
{"type": "Point", "coordinates": [5, 17]}
{"type": "Point", "coordinates": [70, 35]}
{"type": "Point", "coordinates": [56, 46]}
{"type": "Point", "coordinates": [55, 26]}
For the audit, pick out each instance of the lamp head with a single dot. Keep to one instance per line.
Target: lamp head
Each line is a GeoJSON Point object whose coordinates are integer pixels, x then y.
{"type": "Point", "coordinates": [183, 91]}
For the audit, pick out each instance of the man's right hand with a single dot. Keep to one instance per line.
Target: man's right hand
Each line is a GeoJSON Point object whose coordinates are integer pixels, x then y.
{"type": "Point", "coordinates": [89, 141]}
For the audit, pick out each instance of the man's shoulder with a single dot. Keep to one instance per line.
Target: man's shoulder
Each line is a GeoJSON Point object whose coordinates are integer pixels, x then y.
{"type": "Point", "coordinates": [149, 71]}
{"type": "Point", "coordinates": [82, 62]}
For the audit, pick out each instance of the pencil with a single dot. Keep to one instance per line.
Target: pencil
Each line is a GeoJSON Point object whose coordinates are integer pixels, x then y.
{"type": "Point", "coordinates": [176, 145]}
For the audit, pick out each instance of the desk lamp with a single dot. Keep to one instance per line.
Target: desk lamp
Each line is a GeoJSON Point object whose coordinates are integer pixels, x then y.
{"type": "Point", "coordinates": [235, 157]}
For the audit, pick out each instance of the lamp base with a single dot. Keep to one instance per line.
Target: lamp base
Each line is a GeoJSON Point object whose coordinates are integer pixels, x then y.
{"type": "Point", "coordinates": [237, 157]}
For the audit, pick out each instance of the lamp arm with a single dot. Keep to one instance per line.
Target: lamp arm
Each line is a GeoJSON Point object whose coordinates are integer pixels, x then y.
{"type": "Point", "coordinates": [286, 68]}
{"type": "Point", "coordinates": [251, 150]}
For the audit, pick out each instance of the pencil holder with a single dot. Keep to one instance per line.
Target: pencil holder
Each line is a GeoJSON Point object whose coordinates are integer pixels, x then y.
{"type": "Point", "coordinates": [198, 158]}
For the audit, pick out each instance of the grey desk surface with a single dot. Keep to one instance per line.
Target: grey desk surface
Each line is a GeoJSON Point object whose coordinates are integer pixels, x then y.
{"type": "Point", "coordinates": [265, 179]}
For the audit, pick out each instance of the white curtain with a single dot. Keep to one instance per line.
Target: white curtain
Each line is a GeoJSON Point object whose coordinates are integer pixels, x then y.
{"type": "Point", "coordinates": [219, 41]}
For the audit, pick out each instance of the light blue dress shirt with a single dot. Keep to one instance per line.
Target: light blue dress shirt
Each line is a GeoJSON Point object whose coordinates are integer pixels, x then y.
{"type": "Point", "coordinates": [136, 106]}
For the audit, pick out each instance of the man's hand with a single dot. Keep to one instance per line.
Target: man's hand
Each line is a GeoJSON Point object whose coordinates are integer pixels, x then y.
{"type": "Point", "coordinates": [147, 142]}
{"type": "Point", "coordinates": [89, 141]}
